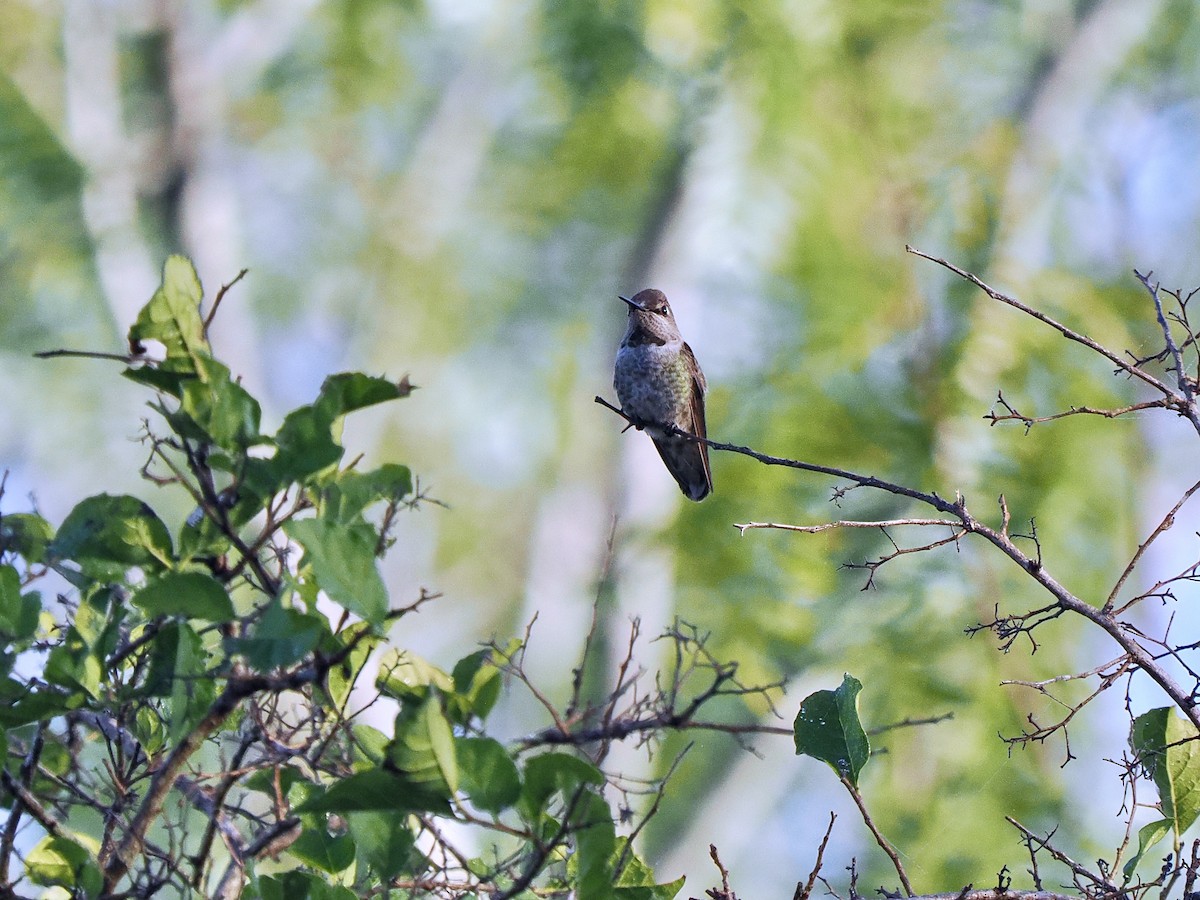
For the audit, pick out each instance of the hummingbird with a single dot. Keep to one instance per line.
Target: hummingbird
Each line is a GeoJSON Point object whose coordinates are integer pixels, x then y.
{"type": "Point", "coordinates": [660, 385]}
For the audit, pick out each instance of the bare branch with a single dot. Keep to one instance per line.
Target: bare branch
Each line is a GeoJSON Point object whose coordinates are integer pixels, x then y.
{"type": "Point", "coordinates": [804, 890]}
{"type": "Point", "coordinates": [1068, 333]}
{"type": "Point", "coordinates": [208, 320]}
{"type": "Point", "coordinates": [1011, 414]}
{"type": "Point", "coordinates": [883, 842]}
{"type": "Point", "coordinates": [1167, 522]}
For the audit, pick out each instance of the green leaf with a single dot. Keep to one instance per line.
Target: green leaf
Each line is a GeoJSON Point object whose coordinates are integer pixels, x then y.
{"type": "Point", "coordinates": [300, 885]}
{"type": "Point", "coordinates": [347, 391]}
{"type": "Point", "coordinates": [595, 841]}
{"type": "Point", "coordinates": [221, 408]}
{"type": "Point", "coordinates": [489, 776]}
{"type": "Point", "coordinates": [306, 441]}
{"type": "Point", "coordinates": [374, 789]}
{"type": "Point", "coordinates": [342, 557]}
{"type": "Point", "coordinates": [196, 595]}
{"type": "Point", "coordinates": [342, 677]}
{"type": "Point", "coordinates": [172, 317]}
{"type": "Point", "coordinates": [178, 664]}
{"type": "Point", "coordinates": [78, 661]}
{"type": "Point", "coordinates": [327, 852]}
{"type": "Point", "coordinates": [422, 750]}
{"type": "Point", "coordinates": [25, 534]}
{"type": "Point", "coordinates": [551, 773]}
{"type": "Point", "coordinates": [281, 637]}
{"type": "Point", "coordinates": [108, 534]}
{"type": "Point", "coordinates": [62, 861]}
{"type": "Point", "coordinates": [827, 728]}
{"type": "Point", "coordinates": [1167, 746]}
{"type": "Point", "coordinates": [305, 446]}
{"type": "Point", "coordinates": [152, 376]}
{"type": "Point", "coordinates": [406, 676]}
{"type": "Point", "coordinates": [352, 492]}
{"type": "Point", "coordinates": [370, 744]}
{"type": "Point", "coordinates": [22, 705]}
{"type": "Point", "coordinates": [1148, 836]}
{"type": "Point", "coordinates": [636, 880]}
{"type": "Point", "coordinates": [385, 842]}
{"type": "Point", "coordinates": [18, 612]}
{"type": "Point", "coordinates": [477, 684]}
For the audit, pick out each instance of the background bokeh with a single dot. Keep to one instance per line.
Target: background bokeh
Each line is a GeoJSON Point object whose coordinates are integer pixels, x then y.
{"type": "Point", "coordinates": [458, 190]}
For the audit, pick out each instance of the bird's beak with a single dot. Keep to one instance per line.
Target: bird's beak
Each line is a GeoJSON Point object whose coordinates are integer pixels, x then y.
{"type": "Point", "coordinates": [632, 303]}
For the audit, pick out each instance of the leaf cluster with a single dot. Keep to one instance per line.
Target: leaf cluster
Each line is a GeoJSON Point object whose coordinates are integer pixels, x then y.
{"type": "Point", "coordinates": [201, 718]}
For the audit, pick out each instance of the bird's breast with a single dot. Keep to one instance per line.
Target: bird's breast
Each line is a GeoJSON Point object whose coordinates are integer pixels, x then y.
{"type": "Point", "coordinates": [652, 382]}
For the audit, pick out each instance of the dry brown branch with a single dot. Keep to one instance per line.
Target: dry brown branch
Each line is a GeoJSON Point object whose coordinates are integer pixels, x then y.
{"type": "Point", "coordinates": [212, 313]}
{"type": "Point", "coordinates": [883, 842]}
{"type": "Point", "coordinates": [1167, 522]}
{"type": "Point", "coordinates": [804, 889]}
{"type": "Point", "coordinates": [723, 892]}
{"type": "Point", "coordinates": [843, 523]}
{"type": "Point", "coordinates": [1011, 414]}
{"type": "Point", "coordinates": [1084, 878]}
{"type": "Point", "coordinates": [1070, 334]}
{"type": "Point", "coordinates": [1007, 627]}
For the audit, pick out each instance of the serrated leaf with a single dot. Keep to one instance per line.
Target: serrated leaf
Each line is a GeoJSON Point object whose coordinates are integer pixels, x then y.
{"type": "Point", "coordinates": [342, 557]}
{"type": "Point", "coordinates": [196, 595]}
{"type": "Point", "coordinates": [347, 496]}
{"type": "Point", "coordinates": [551, 773]}
{"type": "Point", "coordinates": [281, 637]}
{"type": "Point", "coordinates": [172, 317]}
{"type": "Point", "coordinates": [373, 789]}
{"type": "Point", "coordinates": [305, 446]}
{"type": "Point", "coordinates": [107, 534]}
{"type": "Point", "coordinates": [1148, 836]}
{"type": "Point", "coordinates": [422, 751]}
{"type": "Point", "coordinates": [636, 880]}
{"type": "Point", "coordinates": [327, 852]}
{"type": "Point", "coordinates": [65, 862]}
{"type": "Point", "coordinates": [384, 841]}
{"type": "Point", "coordinates": [1167, 745]}
{"type": "Point", "coordinates": [827, 728]}
{"type": "Point", "coordinates": [307, 442]}
{"type": "Point", "coordinates": [489, 776]}
{"type": "Point", "coordinates": [348, 391]}
{"type": "Point", "coordinates": [220, 407]}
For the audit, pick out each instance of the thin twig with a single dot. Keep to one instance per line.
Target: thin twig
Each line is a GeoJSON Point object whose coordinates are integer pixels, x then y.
{"type": "Point", "coordinates": [1066, 332]}
{"type": "Point", "coordinates": [1065, 601]}
{"type": "Point", "coordinates": [208, 320]}
{"type": "Point", "coordinates": [1167, 521]}
{"type": "Point", "coordinates": [910, 723]}
{"type": "Point", "coordinates": [883, 842]}
{"type": "Point", "coordinates": [126, 358]}
{"type": "Point", "coordinates": [843, 523]}
{"type": "Point", "coordinates": [804, 891]}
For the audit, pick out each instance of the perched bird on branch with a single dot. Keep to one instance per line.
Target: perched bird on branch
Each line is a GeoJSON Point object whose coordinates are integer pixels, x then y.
{"type": "Point", "coordinates": [661, 387]}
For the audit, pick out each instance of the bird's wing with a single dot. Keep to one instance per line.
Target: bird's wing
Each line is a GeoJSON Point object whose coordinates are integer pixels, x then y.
{"type": "Point", "coordinates": [697, 425]}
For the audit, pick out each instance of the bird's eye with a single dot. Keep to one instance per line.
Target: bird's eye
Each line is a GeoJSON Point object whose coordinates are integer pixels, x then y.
{"type": "Point", "coordinates": [665, 310]}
